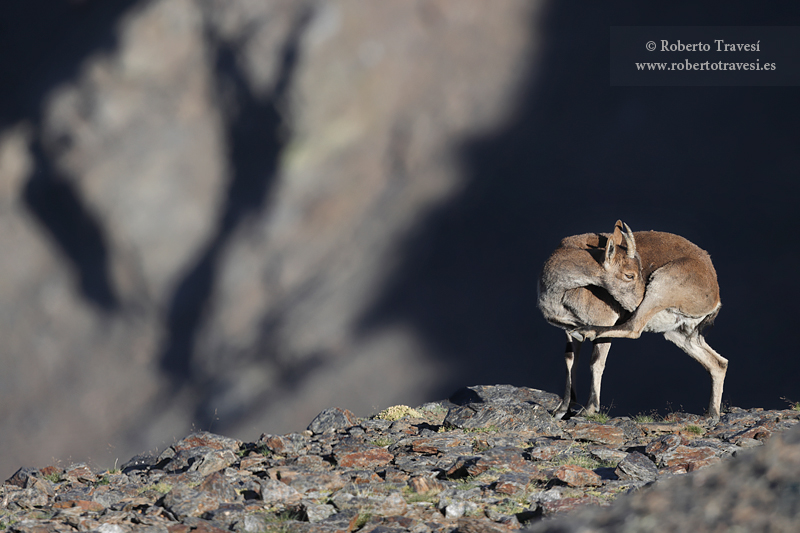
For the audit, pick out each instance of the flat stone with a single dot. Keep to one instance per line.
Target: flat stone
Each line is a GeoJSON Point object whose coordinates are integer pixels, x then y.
{"type": "Point", "coordinates": [355, 453]}
{"type": "Point", "coordinates": [505, 394]}
{"type": "Point", "coordinates": [565, 505]}
{"type": "Point", "coordinates": [287, 445]}
{"type": "Point", "coordinates": [332, 419]}
{"type": "Point", "coordinates": [215, 460]}
{"type": "Point", "coordinates": [513, 483]}
{"type": "Point", "coordinates": [306, 480]}
{"type": "Point", "coordinates": [21, 476]}
{"type": "Point", "coordinates": [518, 416]}
{"type": "Point", "coordinates": [576, 476]}
{"type": "Point", "coordinates": [25, 499]}
{"type": "Point", "coordinates": [79, 473]}
{"type": "Point", "coordinates": [218, 486]}
{"type": "Point", "coordinates": [441, 444]}
{"type": "Point", "coordinates": [183, 501]}
{"type": "Point", "coordinates": [593, 432]}
{"type": "Point", "coordinates": [662, 446]}
{"type": "Point", "coordinates": [422, 484]}
{"type": "Point", "coordinates": [637, 467]}
{"type": "Point", "coordinates": [607, 454]}
{"type": "Point", "coordinates": [691, 458]}
{"type": "Point", "coordinates": [508, 458]}
{"type": "Point", "coordinates": [274, 491]}
{"type": "Point", "coordinates": [317, 512]}
{"type": "Point", "coordinates": [83, 505]}
{"type": "Point", "coordinates": [206, 439]}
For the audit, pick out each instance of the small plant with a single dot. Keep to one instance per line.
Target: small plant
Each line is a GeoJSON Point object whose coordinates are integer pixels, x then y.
{"type": "Point", "coordinates": [54, 477]}
{"type": "Point", "coordinates": [644, 419]}
{"type": "Point", "coordinates": [434, 409]}
{"type": "Point", "coordinates": [161, 488]}
{"type": "Point", "coordinates": [362, 520]}
{"type": "Point", "coordinates": [382, 441]}
{"type": "Point", "coordinates": [103, 481]}
{"type": "Point", "coordinates": [600, 418]}
{"type": "Point", "coordinates": [794, 406]}
{"type": "Point", "coordinates": [115, 470]}
{"type": "Point", "coordinates": [694, 430]}
{"type": "Point", "coordinates": [396, 412]}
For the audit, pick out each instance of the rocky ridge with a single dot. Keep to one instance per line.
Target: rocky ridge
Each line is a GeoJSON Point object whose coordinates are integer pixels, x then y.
{"type": "Point", "coordinates": [490, 458]}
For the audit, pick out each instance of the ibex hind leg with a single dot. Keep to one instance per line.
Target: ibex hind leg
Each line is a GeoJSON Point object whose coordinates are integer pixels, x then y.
{"type": "Point", "coordinates": [571, 354]}
{"type": "Point", "coordinates": [717, 366]}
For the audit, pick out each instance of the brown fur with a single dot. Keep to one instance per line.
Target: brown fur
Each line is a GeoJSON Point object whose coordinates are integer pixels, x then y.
{"type": "Point", "coordinates": [681, 297]}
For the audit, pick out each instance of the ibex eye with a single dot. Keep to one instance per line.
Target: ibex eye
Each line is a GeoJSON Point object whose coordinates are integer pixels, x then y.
{"type": "Point", "coordinates": [629, 276]}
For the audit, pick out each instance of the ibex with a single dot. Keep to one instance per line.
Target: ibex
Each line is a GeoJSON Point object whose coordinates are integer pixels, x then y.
{"type": "Point", "coordinates": [660, 282]}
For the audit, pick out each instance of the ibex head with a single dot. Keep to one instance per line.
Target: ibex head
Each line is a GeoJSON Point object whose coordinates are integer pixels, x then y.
{"type": "Point", "coordinates": [623, 269]}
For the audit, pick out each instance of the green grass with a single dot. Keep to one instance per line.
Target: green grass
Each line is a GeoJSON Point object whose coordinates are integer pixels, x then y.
{"type": "Point", "coordinates": [161, 488]}
{"type": "Point", "coordinates": [644, 419]}
{"type": "Point", "coordinates": [55, 477]}
{"type": "Point", "coordinates": [362, 520]}
{"type": "Point", "coordinates": [695, 430]}
{"type": "Point", "coordinates": [600, 418]}
{"type": "Point", "coordinates": [383, 441]}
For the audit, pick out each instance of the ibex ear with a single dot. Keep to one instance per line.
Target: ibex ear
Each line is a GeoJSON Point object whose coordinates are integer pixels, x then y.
{"type": "Point", "coordinates": [611, 250]}
{"type": "Point", "coordinates": [617, 236]}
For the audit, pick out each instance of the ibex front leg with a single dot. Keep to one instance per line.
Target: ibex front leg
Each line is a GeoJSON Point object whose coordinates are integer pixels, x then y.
{"type": "Point", "coordinates": [571, 354]}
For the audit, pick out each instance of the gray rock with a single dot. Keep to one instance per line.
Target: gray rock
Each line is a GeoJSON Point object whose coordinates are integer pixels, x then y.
{"type": "Point", "coordinates": [332, 419]}
{"type": "Point", "coordinates": [510, 415]}
{"type": "Point", "coordinates": [273, 491]}
{"type": "Point", "coordinates": [505, 394]}
{"type": "Point", "coordinates": [637, 467]}
{"type": "Point", "coordinates": [757, 491]}
{"type": "Point", "coordinates": [183, 501]}
{"type": "Point", "coordinates": [316, 512]}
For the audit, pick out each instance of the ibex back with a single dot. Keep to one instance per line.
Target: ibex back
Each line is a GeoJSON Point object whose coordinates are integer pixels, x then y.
{"type": "Point", "coordinates": [674, 281]}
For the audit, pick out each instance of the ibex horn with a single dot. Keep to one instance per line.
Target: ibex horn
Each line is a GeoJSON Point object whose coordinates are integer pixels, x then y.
{"type": "Point", "coordinates": [630, 242]}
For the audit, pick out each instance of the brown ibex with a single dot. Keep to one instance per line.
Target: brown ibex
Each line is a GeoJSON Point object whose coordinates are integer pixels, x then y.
{"type": "Point", "coordinates": [661, 283]}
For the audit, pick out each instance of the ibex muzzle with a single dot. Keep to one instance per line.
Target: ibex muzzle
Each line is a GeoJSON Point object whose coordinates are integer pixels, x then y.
{"type": "Point", "coordinates": [662, 283]}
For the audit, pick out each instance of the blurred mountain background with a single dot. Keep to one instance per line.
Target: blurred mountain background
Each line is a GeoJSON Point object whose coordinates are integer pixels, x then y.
{"type": "Point", "coordinates": [230, 214]}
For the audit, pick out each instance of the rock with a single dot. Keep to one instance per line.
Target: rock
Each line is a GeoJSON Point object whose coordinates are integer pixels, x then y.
{"type": "Point", "coordinates": [504, 394]}
{"type": "Point", "coordinates": [637, 467]}
{"type": "Point", "coordinates": [399, 477]}
{"type": "Point", "coordinates": [510, 415]}
{"type": "Point", "coordinates": [274, 491]}
{"type": "Point", "coordinates": [505, 458]}
{"type": "Point", "coordinates": [576, 476]}
{"type": "Point", "coordinates": [757, 491]}
{"type": "Point", "coordinates": [356, 453]}
{"type": "Point", "coordinates": [601, 433]}
{"type": "Point", "coordinates": [183, 501]}
{"type": "Point", "coordinates": [21, 477]}
{"type": "Point", "coordinates": [332, 419]}
{"type": "Point", "coordinates": [317, 512]}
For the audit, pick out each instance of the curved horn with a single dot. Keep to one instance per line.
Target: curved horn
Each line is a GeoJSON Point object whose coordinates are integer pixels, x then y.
{"type": "Point", "coordinates": [630, 242]}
